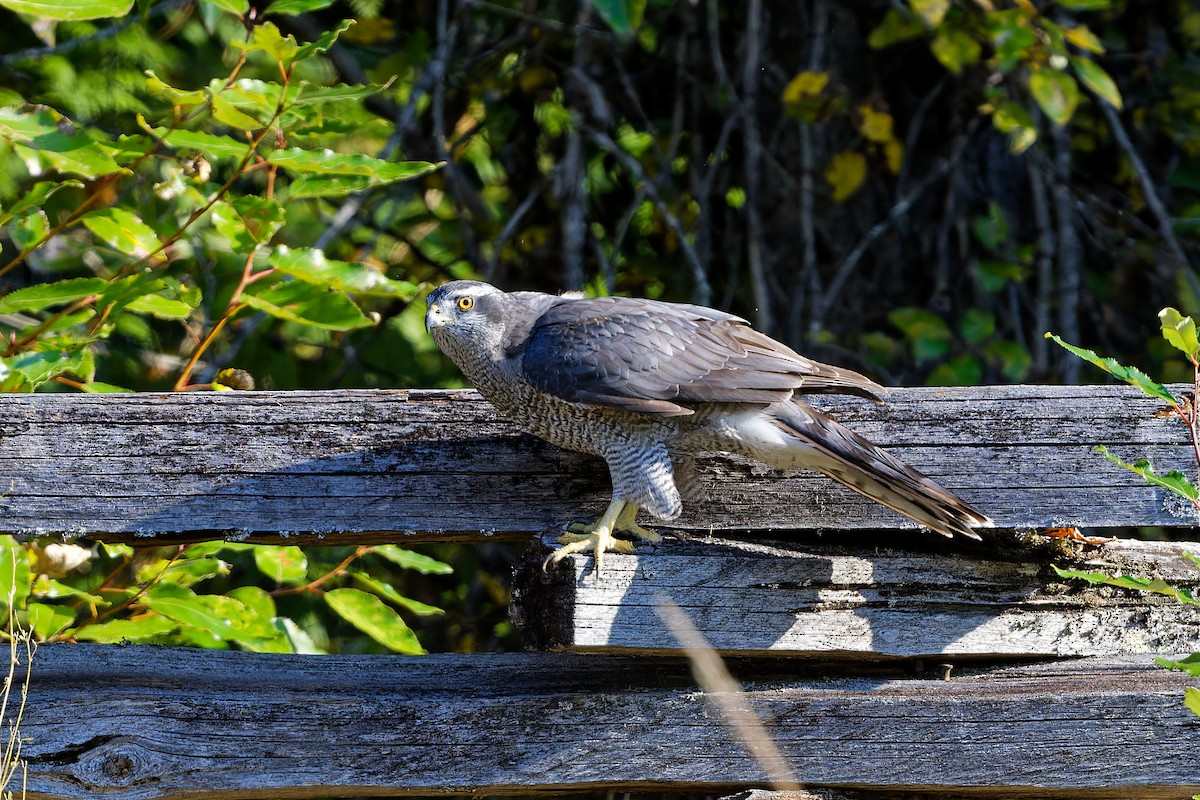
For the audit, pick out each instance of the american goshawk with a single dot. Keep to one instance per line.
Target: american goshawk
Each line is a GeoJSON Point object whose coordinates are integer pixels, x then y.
{"type": "Point", "coordinates": [643, 384]}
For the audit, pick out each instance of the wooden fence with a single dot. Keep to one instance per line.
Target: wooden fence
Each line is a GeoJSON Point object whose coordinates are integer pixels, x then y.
{"type": "Point", "coordinates": [883, 661]}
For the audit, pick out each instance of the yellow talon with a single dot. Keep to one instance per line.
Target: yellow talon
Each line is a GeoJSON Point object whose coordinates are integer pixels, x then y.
{"type": "Point", "coordinates": [598, 536]}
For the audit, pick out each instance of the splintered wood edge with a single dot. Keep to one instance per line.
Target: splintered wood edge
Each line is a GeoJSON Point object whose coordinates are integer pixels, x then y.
{"type": "Point", "coordinates": [755, 598]}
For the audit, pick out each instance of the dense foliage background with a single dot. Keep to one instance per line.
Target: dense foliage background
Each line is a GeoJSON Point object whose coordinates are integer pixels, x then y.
{"type": "Point", "coordinates": [209, 194]}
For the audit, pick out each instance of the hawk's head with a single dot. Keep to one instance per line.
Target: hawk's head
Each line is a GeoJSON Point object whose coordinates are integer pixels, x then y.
{"type": "Point", "coordinates": [466, 316]}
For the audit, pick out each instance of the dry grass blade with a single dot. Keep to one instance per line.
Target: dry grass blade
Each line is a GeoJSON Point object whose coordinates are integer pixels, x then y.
{"type": "Point", "coordinates": [21, 648]}
{"type": "Point", "coordinates": [726, 693]}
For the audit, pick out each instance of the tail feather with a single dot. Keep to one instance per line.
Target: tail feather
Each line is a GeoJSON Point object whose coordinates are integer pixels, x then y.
{"type": "Point", "coordinates": [855, 461]}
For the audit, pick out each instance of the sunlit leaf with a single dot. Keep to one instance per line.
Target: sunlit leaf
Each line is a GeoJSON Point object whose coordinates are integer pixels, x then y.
{"type": "Point", "coordinates": [286, 565]}
{"type": "Point", "coordinates": [876, 126]}
{"type": "Point", "coordinates": [220, 616]}
{"type": "Point", "coordinates": [1099, 81]}
{"type": "Point", "coordinates": [48, 295]}
{"type": "Point", "coordinates": [311, 265]}
{"type": "Point", "coordinates": [123, 231]}
{"type": "Point", "coordinates": [238, 7]}
{"type": "Point", "coordinates": [1131, 375]}
{"type": "Point", "coordinates": [375, 618]}
{"type": "Point", "coordinates": [48, 620]}
{"type": "Point", "coordinates": [310, 304]}
{"type": "Point", "coordinates": [1189, 664]}
{"type": "Point", "coordinates": [1174, 481]}
{"type": "Point", "coordinates": [1083, 38]}
{"type": "Point", "coordinates": [156, 305]}
{"type": "Point", "coordinates": [226, 112]}
{"type": "Point", "coordinates": [247, 221]}
{"type": "Point", "coordinates": [411, 560]}
{"type": "Point", "coordinates": [15, 577]}
{"type": "Point", "coordinates": [1180, 332]}
{"type": "Point", "coordinates": [293, 7]}
{"type": "Point", "coordinates": [1085, 5]}
{"type": "Point", "coordinates": [139, 629]}
{"type": "Point", "coordinates": [931, 12]}
{"type": "Point", "coordinates": [302, 162]}
{"type": "Point", "coordinates": [63, 146]}
{"type": "Point", "coordinates": [267, 39]}
{"type": "Point", "coordinates": [325, 40]}
{"type": "Point", "coordinates": [1056, 93]}
{"type": "Point", "coordinates": [99, 387]}
{"type": "Point", "coordinates": [209, 145]}
{"type": "Point", "coordinates": [1152, 585]}
{"type": "Point", "coordinates": [389, 593]}
{"type": "Point", "coordinates": [70, 10]}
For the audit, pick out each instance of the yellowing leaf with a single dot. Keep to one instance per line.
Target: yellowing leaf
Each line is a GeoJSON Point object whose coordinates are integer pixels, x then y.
{"type": "Point", "coordinates": [1056, 93]}
{"type": "Point", "coordinates": [931, 12]}
{"type": "Point", "coordinates": [1084, 39]}
{"type": "Point", "coordinates": [955, 49]}
{"type": "Point", "coordinates": [1097, 80]}
{"type": "Point", "coordinates": [893, 153]}
{"type": "Point", "coordinates": [875, 125]}
{"type": "Point", "coordinates": [845, 173]}
{"type": "Point", "coordinates": [805, 85]}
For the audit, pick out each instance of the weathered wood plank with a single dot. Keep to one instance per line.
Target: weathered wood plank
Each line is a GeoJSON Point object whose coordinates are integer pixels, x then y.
{"type": "Point", "coordinates": [805, 599]}
{"type": "Point", "coordinates": [383, 465]}
{"type": "Point", "coordinates": [140, 722]}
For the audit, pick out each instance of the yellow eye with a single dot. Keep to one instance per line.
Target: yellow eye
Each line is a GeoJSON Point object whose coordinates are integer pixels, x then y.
{"type": "Point", "coordinates": [466, 303]}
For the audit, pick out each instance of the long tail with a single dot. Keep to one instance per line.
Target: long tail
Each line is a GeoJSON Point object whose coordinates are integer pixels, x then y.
{"type": "Point", "coordinates": [848, 458]}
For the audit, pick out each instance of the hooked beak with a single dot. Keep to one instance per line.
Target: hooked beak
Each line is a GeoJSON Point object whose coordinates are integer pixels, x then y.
{"type": "Point", "coordinates": [435, 317]}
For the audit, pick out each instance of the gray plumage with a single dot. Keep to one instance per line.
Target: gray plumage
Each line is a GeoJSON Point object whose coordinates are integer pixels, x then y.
{"type": "Point", "coordinates": [641, 383]}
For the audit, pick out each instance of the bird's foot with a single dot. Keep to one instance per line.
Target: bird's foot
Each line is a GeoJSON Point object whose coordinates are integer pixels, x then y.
{"type": "Point", "coordinates": [598, 536]}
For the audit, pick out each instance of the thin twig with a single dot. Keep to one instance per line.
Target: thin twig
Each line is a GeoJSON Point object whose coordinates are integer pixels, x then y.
{"type": "Point", "coordinates": [1166, 226]}
{"type": "Point", "coordinates": [727, 695]}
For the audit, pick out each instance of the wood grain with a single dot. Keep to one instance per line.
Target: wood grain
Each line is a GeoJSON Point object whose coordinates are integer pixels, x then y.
{"type": "Point", "coordinates": [136, 723]}
{"type": "Point", "coordinates": [755, 597]}
{"type": "Point", "coordinates": [431, 464]}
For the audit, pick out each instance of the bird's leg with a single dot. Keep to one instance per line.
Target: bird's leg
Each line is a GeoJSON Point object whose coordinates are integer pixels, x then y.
{"type": "Point", "coordinates": [626, 523]}
{"type": "Point", "coordinates": [596, 537]}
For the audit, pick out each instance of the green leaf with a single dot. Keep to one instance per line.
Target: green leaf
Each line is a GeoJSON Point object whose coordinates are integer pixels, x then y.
{"type": "Point", "coordinates": [1097, 80]}
{"type": "Point", "coordinates": [266, 38]}
{"type": "Point", "coordinates": [286, 565]}
{"type": "Point", "coordinates": [308, 304]}
{"type": "Point", "coordinates": [410, 560]}
{"type": "Point", "coordinates": [1016, 123]}
{"type": "Point", "coordinates": [977, 326]}
{"type": "Point", "coordinates": [29, 229]}
{"type": "Point", "coordinates": [294, 7]}
{"type": "Point", "coordinates": [155, 305]}
{"type": "Point", "coordinates": [302, 162]}
{"type": "Point", "coordinates": [1180, 332]}
{"type": "Point", "coordinates": [955, 48]}
{"type": "Point", "coordinates": [70, 10]}
{"type": "Point", "coordinates": [247, 221]}
{"type": "Point", "coordinates": [1190, 664]}
{"type": "Point", "coordinates": [48, 620]}
{"type": "Point", "coordinates": [375, 618]}
{"type": "Point", "coordinates": [1174, 480]}
{"type": "Point", "coordinates": [1085, 5]}
{"type": "Point", "coordinates": [227, 113]}
{"type": "Point", "coordinates": [37, 367]}
{"type": "Point", "coordinates": [124, 231]}
{"type": "Point", "coordinates": [312, 266]}
{"type": "Point", "coordinates": [1151, 585]}
{"type": "Point", "coordinates": [98, 387]}
{"type": "Point", "coordinates": [928, 334]}
{"type": "Point", "coordinates": [964, 370]}
{"type": "Point", "coordinates": [388, 592]}
{"type": "Point", "coordinates": [36, 197]}
{"type": "Point", "coordinates": [1056, 93]}
{"type": "Point", "coordinates": [15, 579]}
{"type": "Point", "coordinates": [114, 631]}
{"type": "Point", "coordinates": [57, 141]}
{"type": "Point", "coordinates": [897, 26]}
{"type": "Point", "coordinates": [209, 145]}
{"type": "Point", "coordinates": [1131, 375]}
{"type": "Point", "coordinates": [1191, 699]}
{"type": "Point", "coordinates": [991, 229]}
{"type": "Point", "coordinates": [931, 12]}
{"type": "Point", "coordinates": [325, 40]}
{"type": "Point", "coordinates": [1014, 358]}
{"type": "Point", "coordinates": [222, 617]}
{"type": "Point", "coordinates": [238, 7]}
{"type": "Point", "coordinates": [623, 16]}
{"type": "Point", "coordinates": [189, 572]}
